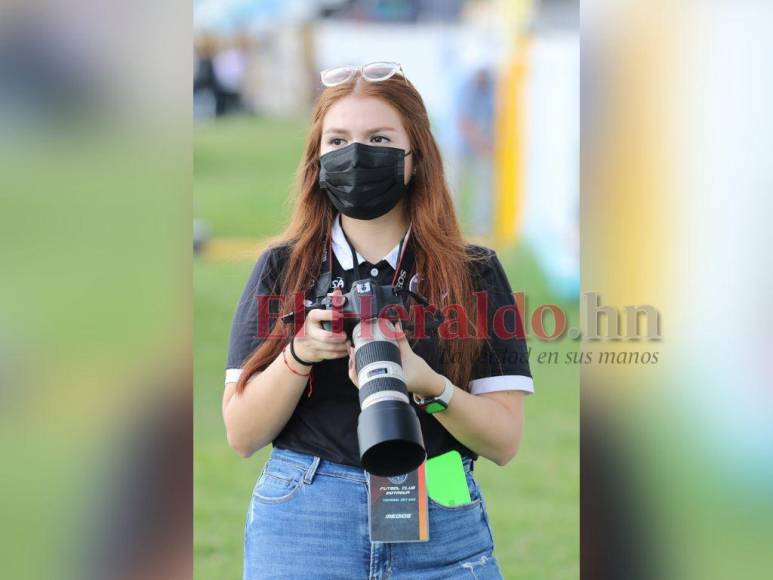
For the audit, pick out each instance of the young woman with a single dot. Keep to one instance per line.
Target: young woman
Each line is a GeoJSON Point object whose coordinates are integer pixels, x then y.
{"type": "Point", "coordinates": [370, 183]}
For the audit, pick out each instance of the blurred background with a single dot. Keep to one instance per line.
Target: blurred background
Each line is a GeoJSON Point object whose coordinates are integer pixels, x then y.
{"type": "Point", "coordinates": [500, 80]}
{"type": "Point", "coordinates": [677, 458]}
{"type": "Point", "coordinates": [95, 287]}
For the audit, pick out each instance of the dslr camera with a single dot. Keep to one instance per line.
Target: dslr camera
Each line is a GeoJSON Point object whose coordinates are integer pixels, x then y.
{"type": "Point", "coordinates": [388, 429]}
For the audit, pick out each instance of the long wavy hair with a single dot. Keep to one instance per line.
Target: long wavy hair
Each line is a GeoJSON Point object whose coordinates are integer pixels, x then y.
{"type": "Point", "coordinates": [440, 252]}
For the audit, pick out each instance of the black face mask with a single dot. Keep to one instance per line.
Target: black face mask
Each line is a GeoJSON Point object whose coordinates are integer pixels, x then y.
{"type": "Point", "coordinates": [363, 182]}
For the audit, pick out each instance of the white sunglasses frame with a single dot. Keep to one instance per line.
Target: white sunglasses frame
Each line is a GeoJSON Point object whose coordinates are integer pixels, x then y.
{"type": "Point", "coordinates": [354, 69]}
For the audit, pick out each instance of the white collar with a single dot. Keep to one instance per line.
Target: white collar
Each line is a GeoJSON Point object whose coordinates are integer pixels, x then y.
{"type": "Point", "coordinates": [344, 254]}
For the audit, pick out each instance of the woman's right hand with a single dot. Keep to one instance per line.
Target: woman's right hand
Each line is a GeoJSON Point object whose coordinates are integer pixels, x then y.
{"type": "Point", "coordinates": [314, 344]}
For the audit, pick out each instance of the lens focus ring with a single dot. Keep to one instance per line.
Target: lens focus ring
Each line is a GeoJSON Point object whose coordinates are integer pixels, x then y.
{"type": "Point", "coordinates": [382, 384]}
{"type": "Point", "coordinates": [376, 351]}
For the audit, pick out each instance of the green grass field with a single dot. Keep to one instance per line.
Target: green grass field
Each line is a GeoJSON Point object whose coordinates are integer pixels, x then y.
{"type": "Point", "coordinates": [242, 175]}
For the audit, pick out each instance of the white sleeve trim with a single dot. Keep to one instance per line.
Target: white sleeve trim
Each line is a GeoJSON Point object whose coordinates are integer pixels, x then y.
{"type": "Point", "coordinates": [232, 375]}
{"type": "Point", "coordinates": [502, 383]}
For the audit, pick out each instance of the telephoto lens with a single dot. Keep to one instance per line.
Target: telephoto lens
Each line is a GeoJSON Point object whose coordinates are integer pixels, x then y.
{"type": "Point", "coordinates": [388, 428]}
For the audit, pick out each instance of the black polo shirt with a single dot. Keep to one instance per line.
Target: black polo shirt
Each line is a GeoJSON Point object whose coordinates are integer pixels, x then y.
{"type": "Point", "coordinates": [324, 422]}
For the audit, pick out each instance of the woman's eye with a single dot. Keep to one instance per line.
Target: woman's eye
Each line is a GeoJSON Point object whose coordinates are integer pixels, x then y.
{"type": "Point", "coordinates": [378, 139]}
{"type": "Point", "coordinates": [335, 141]}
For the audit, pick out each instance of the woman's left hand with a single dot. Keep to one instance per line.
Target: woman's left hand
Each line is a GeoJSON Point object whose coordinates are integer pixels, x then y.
{"type": "Point", "coordinates": [419, 376]}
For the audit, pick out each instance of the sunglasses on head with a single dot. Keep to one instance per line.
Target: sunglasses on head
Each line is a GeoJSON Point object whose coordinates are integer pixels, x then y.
{"type": "Point", "coordinates": [373, 72]}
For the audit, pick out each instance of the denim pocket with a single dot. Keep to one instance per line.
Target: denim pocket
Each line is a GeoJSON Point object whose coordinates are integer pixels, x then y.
{"type": "Point", "coordinates": [460, 530]}
{"type": "Point", "coordinates": [475, 498]}
{"type": "Point", "coordinates": [279, 482]}
{"type": "Point", "coordinates": [455, 508]}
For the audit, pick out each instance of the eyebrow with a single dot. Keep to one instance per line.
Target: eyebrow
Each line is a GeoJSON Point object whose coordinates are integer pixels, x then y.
{"type": "Point", "coordinates": [346, 131]}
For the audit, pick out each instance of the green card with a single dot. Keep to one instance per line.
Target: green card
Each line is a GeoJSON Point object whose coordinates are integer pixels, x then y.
{"type": "Point", "coordinates": [446, 479]}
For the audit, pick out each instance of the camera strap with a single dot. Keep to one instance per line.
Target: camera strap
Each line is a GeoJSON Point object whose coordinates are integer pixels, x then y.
{"type": "Point", "coordinates": [405, 266]}
{"type": "Point", "coordinates": [326, 271]}
{"type": "Point", "coordinates": [405, 263]}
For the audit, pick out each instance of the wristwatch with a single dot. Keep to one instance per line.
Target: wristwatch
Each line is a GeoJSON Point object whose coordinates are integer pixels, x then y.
{"type": "Point", "coordinates": [436, 404]}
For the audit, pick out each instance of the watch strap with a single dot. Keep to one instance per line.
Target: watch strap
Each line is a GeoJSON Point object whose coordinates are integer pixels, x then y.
{"type": "Point", "coordinates": [439, 403]}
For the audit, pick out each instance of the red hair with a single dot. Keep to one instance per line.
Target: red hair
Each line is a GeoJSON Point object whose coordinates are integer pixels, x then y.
{"type": "Point", "coordinates": [439, 246]}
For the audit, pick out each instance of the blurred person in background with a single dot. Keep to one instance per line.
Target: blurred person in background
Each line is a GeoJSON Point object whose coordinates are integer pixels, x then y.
{"type": "Point", "coordinates": [476, 125]}
{"type": "Point", "coordinates": [219, 75]}
{"type": "Point", "coordinates": [371, 190]}
{"type": "Point", "coordinates": [204, 81]}
{"type": "Point", "coordinates": [230, 66]}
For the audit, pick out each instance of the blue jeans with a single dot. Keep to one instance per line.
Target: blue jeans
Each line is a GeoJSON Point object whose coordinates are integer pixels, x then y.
{"type": "Point", "coordinates": [308, 519]}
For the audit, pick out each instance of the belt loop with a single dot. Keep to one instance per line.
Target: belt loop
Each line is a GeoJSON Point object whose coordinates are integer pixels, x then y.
{"type": "Point", "coordinates": [309, 475]}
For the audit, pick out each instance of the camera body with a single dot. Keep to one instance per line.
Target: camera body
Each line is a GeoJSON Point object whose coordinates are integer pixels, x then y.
{"type": "Point", "coordinates": [366, 300]}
